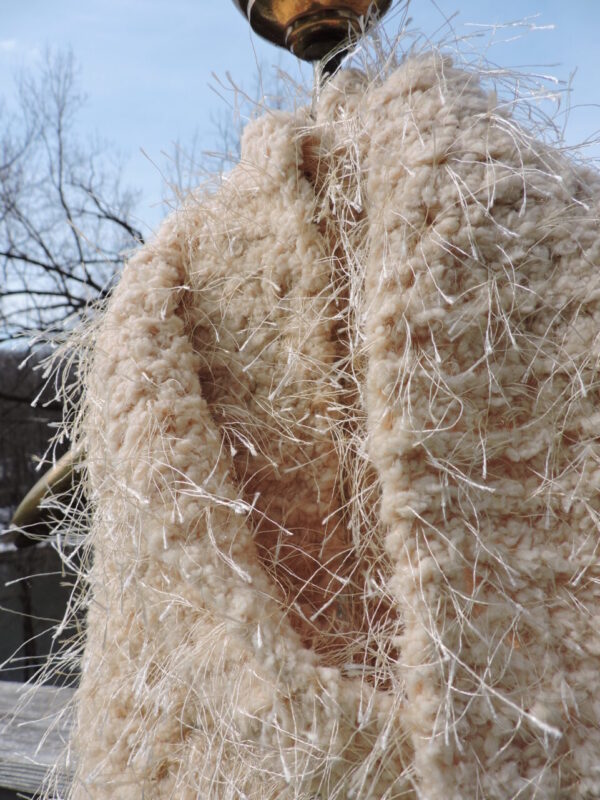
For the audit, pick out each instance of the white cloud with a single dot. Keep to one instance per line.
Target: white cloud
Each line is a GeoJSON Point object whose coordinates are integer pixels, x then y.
{"type": "Point", "coordinates": [8, 45]}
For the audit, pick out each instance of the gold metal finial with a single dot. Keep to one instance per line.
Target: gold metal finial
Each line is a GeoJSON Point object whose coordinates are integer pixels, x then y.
{"type": "Point", "coordinates": [312, 29]}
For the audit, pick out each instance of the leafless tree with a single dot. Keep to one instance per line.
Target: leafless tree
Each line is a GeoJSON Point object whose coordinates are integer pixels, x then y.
{"type": "Point", "coordinates": [65, 225]}
{"type": "Point", "coordinates": [65, 221]}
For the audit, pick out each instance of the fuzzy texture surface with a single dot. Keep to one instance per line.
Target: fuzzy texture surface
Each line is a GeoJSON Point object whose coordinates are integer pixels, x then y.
{"type": "Point", "coordinates": [342, 428]}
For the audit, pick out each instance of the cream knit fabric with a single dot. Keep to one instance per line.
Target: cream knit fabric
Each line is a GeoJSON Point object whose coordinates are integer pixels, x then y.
{"type": "Point", "coordinates": [342, 424]}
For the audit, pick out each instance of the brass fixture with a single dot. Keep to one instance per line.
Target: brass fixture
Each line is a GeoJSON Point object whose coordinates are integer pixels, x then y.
{"type": "Point", "coordinates": [313, 30]}
{"type": "Point", "coordinates": [55, 481]}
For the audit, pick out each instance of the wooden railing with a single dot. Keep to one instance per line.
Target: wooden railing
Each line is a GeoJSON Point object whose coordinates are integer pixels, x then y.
{"type": "Point", "coordinates": [34, 728]}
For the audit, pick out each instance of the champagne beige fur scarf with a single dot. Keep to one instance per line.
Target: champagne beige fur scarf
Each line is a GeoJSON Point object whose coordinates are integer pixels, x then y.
{"type": "Point", "coordinates": [342, 421]}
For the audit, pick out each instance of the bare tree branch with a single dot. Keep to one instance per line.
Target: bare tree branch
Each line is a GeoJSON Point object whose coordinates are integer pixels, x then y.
{"type": "Point", "coordinates": [64, 219]}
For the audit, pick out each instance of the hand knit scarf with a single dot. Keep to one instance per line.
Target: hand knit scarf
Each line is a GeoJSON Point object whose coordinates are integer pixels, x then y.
{"type": "Point", "coordinates": [342, 425]}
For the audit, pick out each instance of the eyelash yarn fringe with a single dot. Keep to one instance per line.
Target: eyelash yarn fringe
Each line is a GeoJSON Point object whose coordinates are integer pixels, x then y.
{"type": "Point", "coordinates": [341, 419]}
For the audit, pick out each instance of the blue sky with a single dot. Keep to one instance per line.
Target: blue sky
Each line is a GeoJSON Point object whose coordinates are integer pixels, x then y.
{"type": "Point", "coordinates": [147, 65]}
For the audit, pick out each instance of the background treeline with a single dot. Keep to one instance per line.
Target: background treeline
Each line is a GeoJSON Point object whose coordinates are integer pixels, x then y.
{"type": "Point", "coordinates": [66, 224]}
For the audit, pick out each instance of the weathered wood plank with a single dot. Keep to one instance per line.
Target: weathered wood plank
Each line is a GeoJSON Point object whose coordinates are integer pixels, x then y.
{"type": "Point", "coordinates": [34, 727]}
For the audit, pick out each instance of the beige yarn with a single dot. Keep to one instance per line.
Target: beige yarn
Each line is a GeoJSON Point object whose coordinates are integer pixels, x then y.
{"type": "Point", "coordinates": [342, 424]}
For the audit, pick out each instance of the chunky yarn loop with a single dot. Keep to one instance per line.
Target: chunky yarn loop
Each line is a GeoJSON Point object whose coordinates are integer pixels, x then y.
{"type": "Point", "coordinates": [342, 428]}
